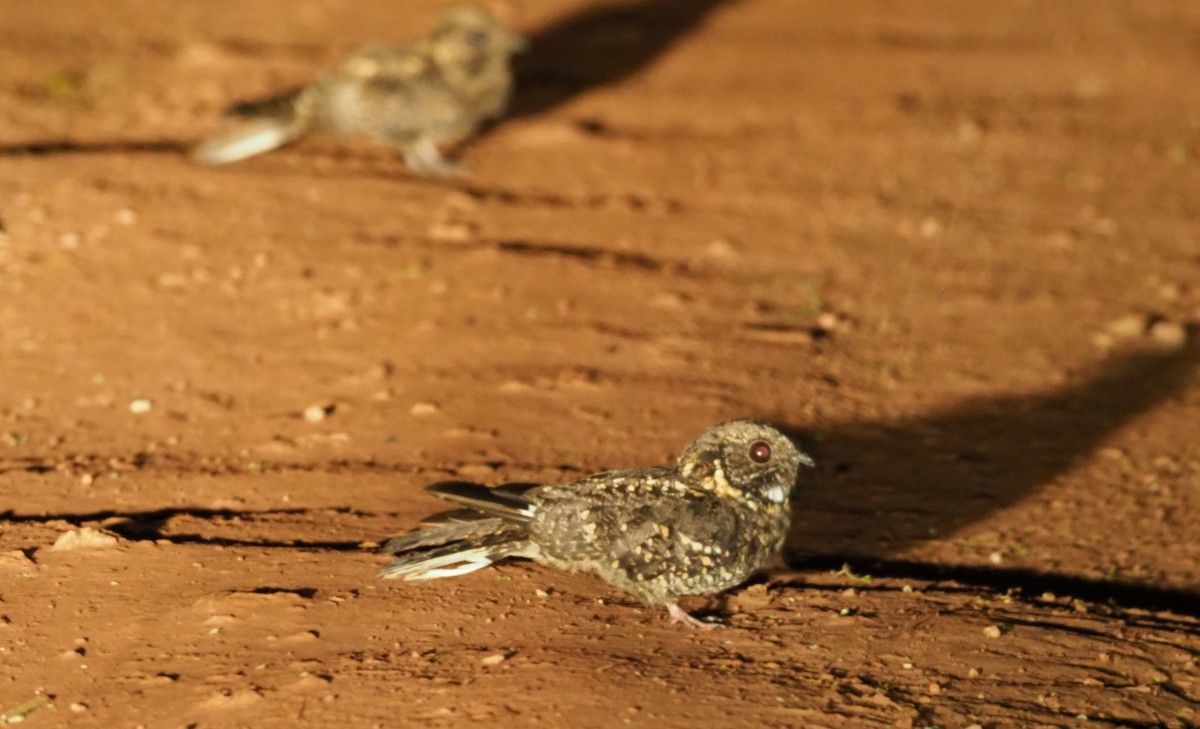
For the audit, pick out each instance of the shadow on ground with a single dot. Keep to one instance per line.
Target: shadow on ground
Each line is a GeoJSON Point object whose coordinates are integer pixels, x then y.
{"type": "Point", "coordinates": [60, 147]}
{"type": "Point", "coordinates": [152, 525]}
{"type": "Point", "coordinates": [884, 487]}
{"type": "Point", "coordinates": [1030, 583]}
{"type": "Point", "coordinates": [599, 46]}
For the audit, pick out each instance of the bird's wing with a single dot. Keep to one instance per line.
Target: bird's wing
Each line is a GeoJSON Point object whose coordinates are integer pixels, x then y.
{"type": "Point", "coordinates": [505, 502]}
{"type": "Point", "coordinates": [404, 90]}
{"type": "Point", "coordinates": [407, 109]}
{"type": "Point", "coordinates": [640, 522]}
{"type": "Point", "coordinates": [673, 535]}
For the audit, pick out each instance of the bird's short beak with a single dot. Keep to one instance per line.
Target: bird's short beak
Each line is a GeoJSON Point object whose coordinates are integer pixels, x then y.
{"type": "Point", "coordinates": [519, 44]}
{"type": "Point", "coordinates": [807, 460]}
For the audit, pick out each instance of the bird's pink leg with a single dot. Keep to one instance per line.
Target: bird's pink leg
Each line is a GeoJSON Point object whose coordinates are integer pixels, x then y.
{"type": "Point", "coordinates": [424, 158]}
{"type": "Point", "coordinates": [679, 615]}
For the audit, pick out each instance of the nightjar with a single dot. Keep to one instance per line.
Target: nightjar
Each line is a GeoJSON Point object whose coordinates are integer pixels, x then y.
{"type": "Point", "coordinates": [697, 528]}
{"type": "Point", "coordinates": [413, 96]}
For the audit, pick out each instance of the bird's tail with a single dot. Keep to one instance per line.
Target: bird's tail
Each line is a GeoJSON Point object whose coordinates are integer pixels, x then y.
{"type": "Point", "coordinates": [256, 127]}
{"type": "Point", "coordinates": [456, 542]}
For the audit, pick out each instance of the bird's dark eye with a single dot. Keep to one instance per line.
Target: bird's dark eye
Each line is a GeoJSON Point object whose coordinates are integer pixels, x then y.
{"type": "Point", "coordinates": [760, 452]}
{"type": "Point", "coordinates": [477, 37]}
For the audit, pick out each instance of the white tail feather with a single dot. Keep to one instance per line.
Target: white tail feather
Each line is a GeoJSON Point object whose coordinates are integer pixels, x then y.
{"type": "Point", "coordinates": [450, 565]}
{"type": "Point", "coordinates": [251, 138]}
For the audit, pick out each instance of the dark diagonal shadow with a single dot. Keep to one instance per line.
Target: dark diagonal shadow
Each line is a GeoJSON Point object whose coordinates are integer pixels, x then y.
{"type": "Point", "coordinates": [598, 46]}
{"type": "Point", "coordinates": [152, 524]}
{"type": "Point", "coordinates": [309, 545]}
{"type": "Point", "coordinates": [887, 486]}
{"type": "Point", "coordinates": [58, 147]}
{"type": "Point", "coordinates": [1031, 583]}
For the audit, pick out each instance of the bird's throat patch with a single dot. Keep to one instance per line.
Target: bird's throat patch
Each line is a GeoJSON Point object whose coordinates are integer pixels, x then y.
{"type": "Point", "coordinates": [722, 488]}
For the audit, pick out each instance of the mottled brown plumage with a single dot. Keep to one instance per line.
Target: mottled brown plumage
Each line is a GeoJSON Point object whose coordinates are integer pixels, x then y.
{"type": "Point", "coordinates": [697, 528]}
{"type": "Point", "coordinates": [413, 96]}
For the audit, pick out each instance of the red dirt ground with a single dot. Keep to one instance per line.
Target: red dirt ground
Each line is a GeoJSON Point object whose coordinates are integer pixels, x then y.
{"type": "Point", "coordinates": [954, 245]}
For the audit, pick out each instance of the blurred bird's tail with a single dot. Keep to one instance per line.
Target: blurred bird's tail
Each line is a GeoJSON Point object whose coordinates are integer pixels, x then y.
{"type": "Point", "coordinates": [257, 127]}
{"type": "Point", "coordinates": [491, 528]}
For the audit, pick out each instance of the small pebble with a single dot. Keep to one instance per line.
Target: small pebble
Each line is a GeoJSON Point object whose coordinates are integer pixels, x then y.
{"type": "Point", "coordinates": [1128, 326]}
{"type": "Point", "coordinates": [424, 408]}
{"type": "Point", "coordinates": [992, 631]}
{"type": "Point", "coordinates": [85, 537]}
{"type": "Point", "coordinates": [140, 406]}
{"type": "Point", "coordinates": [317, 413]}
{"type": "Point", "coordinates": [1169, 334]}
{"type": "Point", "coordinates": [494, 660]}
{"type": "Point", "coordinates": [79, 708]}
{"type": "Point", "coordinates": [970, 132]}
{"type": "Point", "coordinates": [721, 248]}
{"type": "Point", "coordinates": [453, 231]}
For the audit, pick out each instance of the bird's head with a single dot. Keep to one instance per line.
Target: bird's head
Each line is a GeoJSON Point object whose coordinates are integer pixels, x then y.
{"type": "Point", "coordinates": [470, 38]}
{"type": "Point", "coordinates": [746, 460]}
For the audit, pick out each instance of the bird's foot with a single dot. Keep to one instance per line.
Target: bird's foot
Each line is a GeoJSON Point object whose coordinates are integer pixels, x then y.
{"type": "Point", "coordinates": [424, 158]}
{"type": "Point", "coordinates": [679, 615]}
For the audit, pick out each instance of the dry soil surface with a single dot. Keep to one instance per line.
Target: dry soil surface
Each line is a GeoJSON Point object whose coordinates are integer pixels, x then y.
{"type": "Point", "coordinates": [954, 246]}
